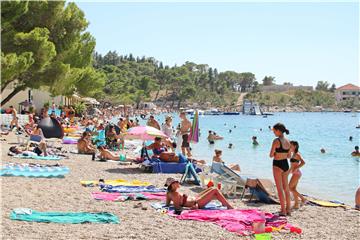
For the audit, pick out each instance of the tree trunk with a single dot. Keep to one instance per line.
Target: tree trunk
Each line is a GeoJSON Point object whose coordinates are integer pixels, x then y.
{"type": "Point", "coordinates": [5, 85]}
{"type": "Point", "coordinates": [157, 95]}
{"type": "Point", "coordinates": [11, 95]}
{"type": "Point", "coordinates": [179, 104]}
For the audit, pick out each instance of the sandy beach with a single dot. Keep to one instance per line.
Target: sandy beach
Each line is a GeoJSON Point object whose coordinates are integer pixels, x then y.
{"type": "Point", "coordinates": [66, 194]}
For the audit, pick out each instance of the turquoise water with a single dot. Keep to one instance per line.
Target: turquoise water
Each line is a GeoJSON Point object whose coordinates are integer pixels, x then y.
{"type": "Point", "coordinates": [333, 175]}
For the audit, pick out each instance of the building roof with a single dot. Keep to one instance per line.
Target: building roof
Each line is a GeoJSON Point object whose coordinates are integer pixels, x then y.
{"type": "Point", "coordinates": [348, 87]}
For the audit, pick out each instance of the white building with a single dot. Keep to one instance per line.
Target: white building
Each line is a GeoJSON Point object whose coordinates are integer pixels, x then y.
{"type": "Point", "coordinates": [37, 97]}
{"type": "Point", "coordinates": [347, 92]}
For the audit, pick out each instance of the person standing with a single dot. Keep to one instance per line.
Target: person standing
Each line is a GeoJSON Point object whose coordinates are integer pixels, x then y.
{"type": "Point", "coordinates": [153, 123]}
{"type": "Point", "coordinates": [280, 152]}
{"type": "Point", "coordinates": [14, 120]}
{"type": "Point", "coordinates": [167, 127]}
{"type": "Point", "coordinates": [185, 126]}
{"type": "Point", "coordinates": [296, 162]}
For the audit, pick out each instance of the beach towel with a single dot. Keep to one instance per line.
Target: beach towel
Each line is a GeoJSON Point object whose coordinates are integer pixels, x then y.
{"type": "Point", "coordinates": [130, 189]}
{"type": "Point", "coordinates": [213, 205]}
{"type": "Point", "coordinates": [120, 197]}
{"type": "Point", "coordinates": [116, 182]}
{"type": "Point", "coordinates": [25, 214]}
{"type": "Point", "coordinates": [234, 220]}
{"type": "Point", "coordinates": [36, 157]}
{"type": "Point", "coordinates": [32, 170]}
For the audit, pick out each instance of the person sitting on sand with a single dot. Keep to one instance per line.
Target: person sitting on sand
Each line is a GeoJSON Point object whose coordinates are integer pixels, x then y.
{"type": "Point", "coordinates": [356, 152]}
{"type": "Point", "coordinates": [181, 200]}
{"type": "Point", "coordinates": [161, 152]}
{"type": "Point", "coordinates": [296, 162]}
{"type": "Point", "coordinates": [153, 123]}
{"type": "Point", "coordinates": [255, 142]}
{"type": "Point", "coordinates": [217, 159]}
{"type": "Point", "coordinates": [84, 144]}
{"type": "Point", "coordinates": [111, 137]}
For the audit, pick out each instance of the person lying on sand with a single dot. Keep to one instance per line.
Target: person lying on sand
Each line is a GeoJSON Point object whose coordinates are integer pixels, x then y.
{"type": "Point", "coordinates": [107, 155]}
{"type": "Point", "coordinates": [217, 159]}
{"type": "Point", "coordinates": [182, 200]}
{"type": "Point", "coordinates": [161, 152]}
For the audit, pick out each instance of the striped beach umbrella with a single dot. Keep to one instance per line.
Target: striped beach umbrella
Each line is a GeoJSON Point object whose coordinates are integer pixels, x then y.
{"type": "Point", "coordinates": [194, 133]}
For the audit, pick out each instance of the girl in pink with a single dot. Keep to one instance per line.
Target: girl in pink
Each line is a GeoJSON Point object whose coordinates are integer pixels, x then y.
{"type": "Point", "coordinates": [296, 162]}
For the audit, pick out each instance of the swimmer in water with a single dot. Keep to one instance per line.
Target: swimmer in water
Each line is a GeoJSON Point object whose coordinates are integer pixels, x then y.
{"type": "Point", "coordinates": [356, 152]}
{"type": "Point", "coordinates": [350, 138]}
{"type": "Point", "coordinates": [230, 130]}
{"type": "Point", "coordinates": [234, 126]}
{"type": "Point", "coordinates": [322, 150]}
{"type": "Point", "coordinates": [255, 142]}
{"type": "Point", "coordinates": [230, 145]}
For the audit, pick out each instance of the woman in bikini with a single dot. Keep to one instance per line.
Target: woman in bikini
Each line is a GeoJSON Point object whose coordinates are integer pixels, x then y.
{"type": "Point", "coordinates": [296, 162]}
{"type": "Point", "coordinates": [181, 200]}
{"type": "Point", "coordinates": [161, 152]}
{"type": "Point", "coordinates": [280, 151]}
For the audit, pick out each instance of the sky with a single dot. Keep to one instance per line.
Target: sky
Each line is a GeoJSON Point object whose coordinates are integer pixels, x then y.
{"type": "Point", "coordinates": [300, 43]}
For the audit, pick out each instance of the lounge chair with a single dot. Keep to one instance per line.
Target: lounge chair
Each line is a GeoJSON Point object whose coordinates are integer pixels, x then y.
{"type": "Point", "coordinates": [231, 181]}
{"type": "Point", "coordinates": [262, 189]}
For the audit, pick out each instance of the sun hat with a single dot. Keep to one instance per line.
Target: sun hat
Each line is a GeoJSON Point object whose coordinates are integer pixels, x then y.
{"type": "Point", "coordinates": [170, 181]}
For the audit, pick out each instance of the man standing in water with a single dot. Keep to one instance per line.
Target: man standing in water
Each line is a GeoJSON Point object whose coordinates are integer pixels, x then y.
{"type": "Point", "coordinates": [185, 127]}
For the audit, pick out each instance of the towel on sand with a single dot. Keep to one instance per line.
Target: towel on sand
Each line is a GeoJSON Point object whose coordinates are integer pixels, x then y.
{"type": "Point", "coordinates": [234, 220]}
{"type": "Point", "coordinates": [130, 189]}
{"type": "Point", "coordinates": [120, 197]}
{"type": "Point", "coordinates": [213, 205]}
{"type": "Point", "coordinates": [116, 182]}
{"type": "Point", "coordinates": [25, 214]}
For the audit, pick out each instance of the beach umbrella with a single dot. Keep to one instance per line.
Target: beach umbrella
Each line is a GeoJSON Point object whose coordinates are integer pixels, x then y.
{"type": "Point", "coordinates": [194, 133]}
{"type": "Point", "coordinates": [144, 133]}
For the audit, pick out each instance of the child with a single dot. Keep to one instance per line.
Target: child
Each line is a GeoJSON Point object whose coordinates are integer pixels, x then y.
{"type": "Point", "coordinates": [296, 163]}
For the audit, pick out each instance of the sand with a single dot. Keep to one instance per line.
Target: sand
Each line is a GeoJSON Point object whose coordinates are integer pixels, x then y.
{"type": "Point", "coordinates": [66, 194]}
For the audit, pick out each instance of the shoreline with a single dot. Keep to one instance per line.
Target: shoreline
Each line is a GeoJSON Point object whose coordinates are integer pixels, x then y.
{"type": "Point", "coordinates": [66, 194]}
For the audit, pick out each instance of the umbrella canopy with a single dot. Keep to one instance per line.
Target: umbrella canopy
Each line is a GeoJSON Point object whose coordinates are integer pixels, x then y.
{"type": "Point", "coordinates": [144, 133]}
{"type": "Point", "coordinates": [194, 133]}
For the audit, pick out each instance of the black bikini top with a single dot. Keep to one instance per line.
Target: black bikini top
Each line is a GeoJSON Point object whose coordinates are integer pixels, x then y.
{"type": "Point", "coordinates": [293, 160]}
{"type": "Point", "coordinates": [281, 149]}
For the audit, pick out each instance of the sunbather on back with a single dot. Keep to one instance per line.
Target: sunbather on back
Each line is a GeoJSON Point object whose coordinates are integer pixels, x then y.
{"type": "Point", "coordinates": [182, 200]}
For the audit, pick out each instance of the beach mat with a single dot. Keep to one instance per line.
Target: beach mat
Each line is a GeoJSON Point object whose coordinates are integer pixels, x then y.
{"type": "Point", "coordinates": [130, 189]}
{"type": "Point", "coordinates": [50, 157]}
{"type": "Point", "coordinates": [26, 214]}
{"type": "Point", "coordinates": [115, 182]}
{"type": "Point", "coordinates": [324, 203]}
{"type": "Point", "coordinates": [26, 170]}
{"type": "Point", "coordinates": [120, 197]}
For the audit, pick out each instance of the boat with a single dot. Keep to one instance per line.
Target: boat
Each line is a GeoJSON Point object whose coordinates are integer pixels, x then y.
{"type": "Point", "coordinates": [268, 113]}
{"type": "Point", "coordinates": [231, 113]}
{"type": "Point", "coordinates": [347, 110]}
{"type": "Point", "coordinates": [213, 112]}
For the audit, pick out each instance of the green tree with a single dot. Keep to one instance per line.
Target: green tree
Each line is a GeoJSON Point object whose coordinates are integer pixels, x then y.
{"type": "Point", "coordinates": [46, 40]}
{"type": "Point", "coordinates": [322, 86]}
{"type": "Point", "coordinates": [268, 81]}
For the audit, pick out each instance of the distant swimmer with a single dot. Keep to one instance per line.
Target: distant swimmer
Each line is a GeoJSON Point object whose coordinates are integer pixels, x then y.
{"type": "Point", "coordinates": [230, 130]}
{"type": "Point", "coordinates": [322, 150]}
{"type": "Point", "coordinates": [356, 152]}
{"type": "Point", "coordinates": [234, 126]}
{"type": "Point", "coordinates": [350, 138]}
{"type": "Point", "coordinates": [255, 142]}
{"type": "Point", "coordinates": [230, 145]}
{"type": "Point", "coordinates": [260, 129]}
{"type": "Point", "coordinates": [269, 127]}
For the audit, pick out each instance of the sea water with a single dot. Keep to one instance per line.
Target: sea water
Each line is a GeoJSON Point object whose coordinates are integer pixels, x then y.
{"type": "Point", "coordinates": [333, 175]}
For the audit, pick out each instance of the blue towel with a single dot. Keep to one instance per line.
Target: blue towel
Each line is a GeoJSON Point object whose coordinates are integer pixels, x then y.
{"type": "Point", "coordinates": [213, 205]}
{"type": "Point", "coordinates": [130, 189]}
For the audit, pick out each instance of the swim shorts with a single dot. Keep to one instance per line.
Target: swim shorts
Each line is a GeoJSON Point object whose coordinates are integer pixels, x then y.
{"type": "Point", "coordinates": [185, 142]}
